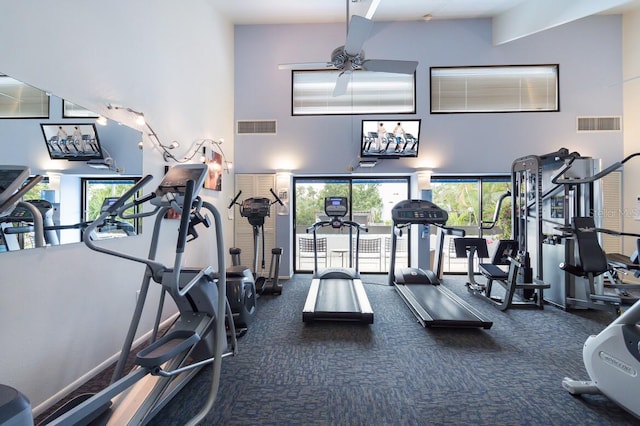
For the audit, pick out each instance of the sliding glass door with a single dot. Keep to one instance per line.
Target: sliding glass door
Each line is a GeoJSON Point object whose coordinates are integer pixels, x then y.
{"type": "Point", "coordinates": [481, 206]}
{"type": "Point", "coordinates": [370, 202]}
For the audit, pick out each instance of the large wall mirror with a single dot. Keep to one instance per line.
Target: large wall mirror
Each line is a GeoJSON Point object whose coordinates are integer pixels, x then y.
{"type": "Point", "coordinates": [85, 162]}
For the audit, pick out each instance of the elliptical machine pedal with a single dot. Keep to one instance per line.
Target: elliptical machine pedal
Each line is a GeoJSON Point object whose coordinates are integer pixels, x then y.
{"type": "Point", "coordinates": [271, 284]}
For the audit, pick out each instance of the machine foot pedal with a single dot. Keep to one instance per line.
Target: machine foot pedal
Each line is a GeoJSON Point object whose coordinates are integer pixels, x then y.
{"type": "Point", "coordinates": [579, 387]}
{"type": "Point", "coordinates": [166, 348]}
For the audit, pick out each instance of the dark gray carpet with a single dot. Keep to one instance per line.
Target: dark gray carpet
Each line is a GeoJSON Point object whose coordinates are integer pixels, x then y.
{"type": "Point", "coordinates": [397, 372]}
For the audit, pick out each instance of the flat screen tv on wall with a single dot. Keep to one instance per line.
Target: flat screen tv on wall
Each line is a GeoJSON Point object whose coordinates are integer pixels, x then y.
{"type": "Point", "coordinates": [73, 142]}
{"type": "Point", "coordinates": [390, 138]}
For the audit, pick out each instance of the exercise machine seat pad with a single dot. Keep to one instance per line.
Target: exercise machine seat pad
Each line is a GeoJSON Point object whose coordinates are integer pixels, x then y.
{"type": "Point", "coordinates": [492, 271]}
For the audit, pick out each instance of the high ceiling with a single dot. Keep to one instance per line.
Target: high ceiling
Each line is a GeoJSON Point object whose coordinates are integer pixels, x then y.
{"type": "Point", "coordinates": [321, 11]}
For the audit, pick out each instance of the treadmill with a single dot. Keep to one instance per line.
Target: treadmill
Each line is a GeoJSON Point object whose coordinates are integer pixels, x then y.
{"type": "Point", "coordinates": [433, 304]}
{"type": "Point", "coordinates": [337, 294]}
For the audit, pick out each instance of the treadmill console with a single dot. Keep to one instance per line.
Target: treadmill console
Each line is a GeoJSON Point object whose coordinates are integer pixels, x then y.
{"type": "Point", "coordinates": [336, 206]}
{"type": "Point", "coordinates": [418, 212]}
{"type": "Point", "coordinates": [108, 202]}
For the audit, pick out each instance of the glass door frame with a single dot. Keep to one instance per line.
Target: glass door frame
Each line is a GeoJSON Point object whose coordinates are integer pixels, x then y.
{"type": "Point", "coordinates": [484, 214]}
{"type": "Point", "coordinates": [350, 181]}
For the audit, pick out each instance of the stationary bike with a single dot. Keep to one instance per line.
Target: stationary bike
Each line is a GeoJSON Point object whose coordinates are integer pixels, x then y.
{"type": "Point", "coordinates": [612, 360]}
{"type": "Point", "coordinates": [256, 209]}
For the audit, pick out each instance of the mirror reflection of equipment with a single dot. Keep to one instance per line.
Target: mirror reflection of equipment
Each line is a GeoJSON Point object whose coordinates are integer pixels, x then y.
{"type": "Point", "coordinates": [13, 186]}
{"type": "Point", "coordinates": [198, 337]}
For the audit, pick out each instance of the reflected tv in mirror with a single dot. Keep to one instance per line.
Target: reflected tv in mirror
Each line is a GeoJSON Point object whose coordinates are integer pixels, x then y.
{"type": "Point", "coordinates": [73, 142]}
{"type": "Point", "coordinates": [390, 138]}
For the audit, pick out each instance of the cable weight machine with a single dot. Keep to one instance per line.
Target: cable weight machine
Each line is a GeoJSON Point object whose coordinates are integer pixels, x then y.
{"type": "Point", "coordinates": [548, 192]}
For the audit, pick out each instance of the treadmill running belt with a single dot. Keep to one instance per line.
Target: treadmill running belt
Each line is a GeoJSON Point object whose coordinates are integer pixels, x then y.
{"type": "Point", "coordinates": [436, 306]}
{"type": "Point", "coordinates": [337, 295]}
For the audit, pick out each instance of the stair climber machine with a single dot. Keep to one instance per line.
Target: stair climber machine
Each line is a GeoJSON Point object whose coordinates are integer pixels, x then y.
{"type": "Point", "coordinates": [196, 338]}
{"type": "Point", "coordinates": [256, 210]}
{"type": "Point", "coordinates": [337, 294]}
{"type": "Point", "coordinates": [433, 304]}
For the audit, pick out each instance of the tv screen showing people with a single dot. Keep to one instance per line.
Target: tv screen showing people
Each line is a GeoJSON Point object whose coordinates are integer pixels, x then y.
{"type": "Point", "coordinates": [74, 142]}
{"type": "Point", "coordinates": [390, 138]}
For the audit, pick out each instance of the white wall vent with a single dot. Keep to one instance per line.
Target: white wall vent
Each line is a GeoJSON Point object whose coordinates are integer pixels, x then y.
{"type": "Point", "coordinates": [599, 124]}
{"type": "Point", "coordinates": [256, 127]}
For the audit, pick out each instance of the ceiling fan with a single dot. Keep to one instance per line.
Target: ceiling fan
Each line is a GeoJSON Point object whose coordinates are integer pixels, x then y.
{"type": "Point", "coordinates": [351, 57]}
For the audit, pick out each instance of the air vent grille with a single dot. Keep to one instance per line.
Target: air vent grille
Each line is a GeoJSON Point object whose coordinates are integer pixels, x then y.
{"type": "Point", "coordinates": [256, 127]}
{"type": "Point", "coordinates": [599, 124]}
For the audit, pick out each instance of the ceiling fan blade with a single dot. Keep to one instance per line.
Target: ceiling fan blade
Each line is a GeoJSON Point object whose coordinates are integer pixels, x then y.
{"type": "Point", "coordinates": [359, 30]}
{"type": "Point", "coordinates": [306, 66]}
{"type": "Point", "coordinates": [384, 65]}
{"type": "Point", "coordinates": [342, 83]}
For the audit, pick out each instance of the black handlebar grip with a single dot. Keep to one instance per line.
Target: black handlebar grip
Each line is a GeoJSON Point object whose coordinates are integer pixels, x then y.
{"type": "Point", "coordinates": [278, 200]}
{"type": "Point", "coordinates": [572, 269]}
{"type": "Point", "coordinates": [235, 199]}
{"type": "Point", "coordinates": [184, 219]}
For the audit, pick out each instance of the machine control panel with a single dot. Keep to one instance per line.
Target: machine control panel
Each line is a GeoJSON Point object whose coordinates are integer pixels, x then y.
{"type": "Point", "coordinates": [336, 206]}
{"type": "Point", "coordinates": [174, 182]}
{"type": "Point", "coordinates": [418, 212]}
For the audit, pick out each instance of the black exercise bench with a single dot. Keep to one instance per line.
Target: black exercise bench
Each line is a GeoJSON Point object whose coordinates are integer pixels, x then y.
{"type": "Point", "coordinates": [507, 254]}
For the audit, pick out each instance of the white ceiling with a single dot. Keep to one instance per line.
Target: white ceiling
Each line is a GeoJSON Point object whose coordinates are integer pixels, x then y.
{"type": "Point", "coordinates": [321, 11]}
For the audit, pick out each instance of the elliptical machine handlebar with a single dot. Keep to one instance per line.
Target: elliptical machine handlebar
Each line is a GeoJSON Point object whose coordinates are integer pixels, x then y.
{"type": "Point", "coordinates": [235, 199]}
{"type": "Point", "coordinates": [183, 232]}
{"type": "Point", "coordinates": [156, 267]}
{"type": "Point", "coordinates": [278, 200]}
{"type": "Point", "coordinates": [113, 208]}
{"type": "Point", "coordinates": [15, 197]}
{"type": "Point", "coordinates": [184, 218]}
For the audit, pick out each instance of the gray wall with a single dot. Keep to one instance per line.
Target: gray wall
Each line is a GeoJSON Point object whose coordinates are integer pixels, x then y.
{"type": "Point", "coordinates": [588, 52]}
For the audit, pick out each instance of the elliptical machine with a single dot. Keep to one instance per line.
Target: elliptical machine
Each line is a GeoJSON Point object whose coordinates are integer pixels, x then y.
{"type": "Point", "coordinates": [256, 209]}
{"type": "Point", "coordinates": [195, 339]}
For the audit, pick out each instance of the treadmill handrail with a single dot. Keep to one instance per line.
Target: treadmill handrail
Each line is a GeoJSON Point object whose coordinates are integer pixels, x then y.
{"type": "Point", "coordinates": [357, 226]}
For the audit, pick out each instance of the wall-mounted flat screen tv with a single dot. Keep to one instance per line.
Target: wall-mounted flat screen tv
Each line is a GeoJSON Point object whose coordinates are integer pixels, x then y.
{"type": "Point", "coordinates": [73, 142]}
{"type": "Point", "coordinates": [390, 138]}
